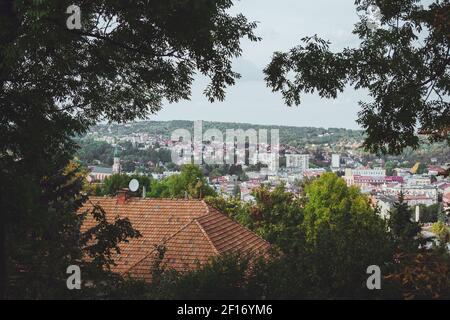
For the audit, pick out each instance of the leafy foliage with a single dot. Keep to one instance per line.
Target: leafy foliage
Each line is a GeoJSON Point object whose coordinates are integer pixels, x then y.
{"type": "Point", "coordinates": [224, 277]}
{"type": "Point", "coordinates": [345, 236]}
{"type": "Point", "coordinates": [43, 244]}
{"type": "Point", "coordinates": [328, 237]}
{"type": "Point", "coordinates": [190, 182]}
{"type": "Point", "coordinates": [404, 65]}
{"type": "Point", "coordinates": [429, 214]}
{"type": "Point", "coordinates": [102, 240]}
{"type": "Point", "coordinates": [422, 275]}
{"type": "Point", "coordinates": [122, 68]}
{"type": "Point", "coordinates": [115, 182]}
{"type": "Point", "coordinates": [442, 232]}
{"type": "Point", "coordinates": [277, 216]}
{"type": "Point", "coordinates": [56, 82]}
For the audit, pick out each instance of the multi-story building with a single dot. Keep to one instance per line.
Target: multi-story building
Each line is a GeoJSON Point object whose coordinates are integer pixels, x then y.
{"type": "Point", "coordinates": [314, 172]}
{"type": "Point", "coordinates": [367, 172]}
{"type": "Point", "coordinates": [410, 190]}
{"type": "Point", "coordinates": [335, 161]}
{"type": "Point", "coordinates": [298, 162]}
{"type": "Point", "coordinates": [419, 180]}
{"type": "Point", "coordinates": [446, 201]}
{"type": "Point", "coordinates": [426, 200]}
{"type": "Point", "coordinates": [385, 204]}
{"type": "Point", "coordinates": [365, 182]}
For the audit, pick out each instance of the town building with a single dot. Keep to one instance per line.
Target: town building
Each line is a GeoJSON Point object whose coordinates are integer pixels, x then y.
{"type": "Point", "coordinates": [298, 162]}
{"type": "Point", "coordinates": [385, 204]}
{"type": "Point", "coordinates": [314, 172]}
{"type": "Point", "coordinates": [446, 202]}
{"type": "Point", "coordinates": [335, 161]}
{"type": "Point", "coordinates": [434, 170]}
{"type": "Point", "coordinates": [418, 180]}
{"type": "Point", "coordinates": [365, 182]}
{"type": "Point", "coordinates": [367, 172]}
{"type": "Point", "coordinates": [98, 174]}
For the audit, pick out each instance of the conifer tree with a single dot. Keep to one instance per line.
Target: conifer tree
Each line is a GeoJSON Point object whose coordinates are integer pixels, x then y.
{"type": "Point", "coordinates": [403, 229]}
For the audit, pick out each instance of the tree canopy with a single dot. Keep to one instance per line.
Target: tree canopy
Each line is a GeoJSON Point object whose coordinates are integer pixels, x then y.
{"type": "Point", "coordinates": [403, 229]}
{"type": "Point", "coordinates": [324, 259]}
{"type": "Point", "coordinates": [115, 182]}
{"type": "Point", "coordinates": [127, 58]}
{"type": "Point", "coordinates": [189, 183]}
{"type": "Point", "coordinates": [403, 64]}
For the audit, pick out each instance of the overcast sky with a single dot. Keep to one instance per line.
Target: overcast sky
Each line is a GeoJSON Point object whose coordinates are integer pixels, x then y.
{"type": "Point", "coordinates": [282, 24]}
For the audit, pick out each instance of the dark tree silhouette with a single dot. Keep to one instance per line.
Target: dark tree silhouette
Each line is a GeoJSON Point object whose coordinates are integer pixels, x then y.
{"type": "Point", "coordinates": [126, 59]}
{"type": "Point", "coordinates": [403, 64]}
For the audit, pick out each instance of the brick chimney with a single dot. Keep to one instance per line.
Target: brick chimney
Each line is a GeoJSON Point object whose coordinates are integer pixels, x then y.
{"type": "Point", "coordinates": [122, 196]}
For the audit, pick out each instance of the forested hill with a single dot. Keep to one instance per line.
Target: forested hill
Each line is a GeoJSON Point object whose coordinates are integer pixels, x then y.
{"type": "Point", "coordinates": [293, 136]}
{"type": "Point", "coordinates": [97, 146]}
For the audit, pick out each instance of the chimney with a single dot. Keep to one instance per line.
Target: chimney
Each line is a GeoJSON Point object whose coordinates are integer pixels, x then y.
{"type": "Point", "coordinates": [122, 196]}
{"type": "Point", "coordinates": [144, 191]}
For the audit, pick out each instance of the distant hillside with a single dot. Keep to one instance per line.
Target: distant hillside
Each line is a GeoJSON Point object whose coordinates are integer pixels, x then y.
{"type": "Point", "coordinates": [293, 136]}
{"type": "Point", "coordinates": [96, 147]}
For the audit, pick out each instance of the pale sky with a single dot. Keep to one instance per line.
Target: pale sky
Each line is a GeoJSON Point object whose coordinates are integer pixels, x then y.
{"type": "Point", "coordinates": [282, 24]}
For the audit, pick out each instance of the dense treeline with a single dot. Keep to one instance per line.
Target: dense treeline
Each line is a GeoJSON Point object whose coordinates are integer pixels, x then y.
{"type": "Point", "coordinates": [132, 157]}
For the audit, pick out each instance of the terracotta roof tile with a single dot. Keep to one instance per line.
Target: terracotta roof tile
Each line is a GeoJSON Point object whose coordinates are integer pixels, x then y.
{"type": "Point", "coordinates": [191, 231]}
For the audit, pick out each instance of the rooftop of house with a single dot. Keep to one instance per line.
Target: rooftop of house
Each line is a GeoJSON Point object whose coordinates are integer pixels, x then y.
{"type": "Point", "coordinates": [191, 232]}
{"type": "Point", "coordinates": [446, 197]}
{"type": "Point", "coordinates": [443, 185]}
{"type": "Point", "coordinates": [96, 169]}
{"type": "Point", "coordinates": [386, 198]}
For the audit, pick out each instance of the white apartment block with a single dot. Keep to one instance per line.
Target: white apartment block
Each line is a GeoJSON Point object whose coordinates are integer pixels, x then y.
{"type": "Point", "coordinates": [367, 172]}
{"type": "Point", "coordinates": [335, 161]}
{"type": "Point", "coordinates": [419, 180]}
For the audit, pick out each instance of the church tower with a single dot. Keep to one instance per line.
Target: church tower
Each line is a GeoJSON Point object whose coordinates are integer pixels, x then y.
{"type": "Point", "coordinates": [116, 168]}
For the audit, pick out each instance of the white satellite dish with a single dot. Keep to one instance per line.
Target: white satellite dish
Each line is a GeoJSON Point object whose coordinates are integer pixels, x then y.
{"type": "Point", "coordinates": [133, 185]}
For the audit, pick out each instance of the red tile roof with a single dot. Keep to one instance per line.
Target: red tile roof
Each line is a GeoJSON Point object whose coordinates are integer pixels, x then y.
{"type": "Point", "coordinates": [191, 231]}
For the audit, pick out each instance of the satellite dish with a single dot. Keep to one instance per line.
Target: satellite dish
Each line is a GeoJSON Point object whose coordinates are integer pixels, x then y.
{"type": "Point", "coordinates": [133, 185]}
